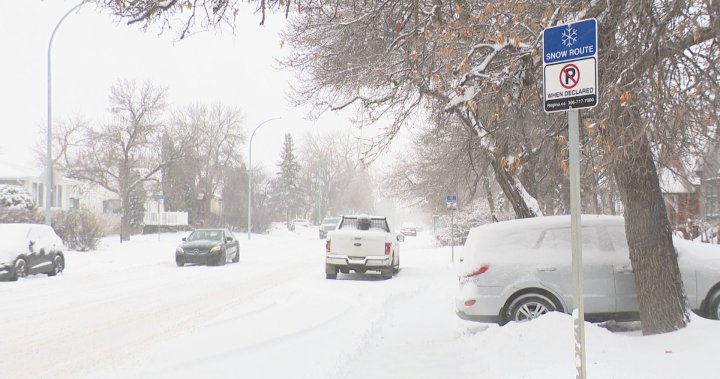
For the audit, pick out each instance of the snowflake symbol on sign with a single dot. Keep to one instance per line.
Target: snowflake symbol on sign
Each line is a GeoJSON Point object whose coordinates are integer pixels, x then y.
{"type": "Point", "coordinates": [569, 36]}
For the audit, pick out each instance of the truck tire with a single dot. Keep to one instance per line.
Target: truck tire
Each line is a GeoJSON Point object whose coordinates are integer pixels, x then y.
{"type": "Point", "coordinates": [330, 271]}
{"type": "Point", "coordinates": [386, 273]}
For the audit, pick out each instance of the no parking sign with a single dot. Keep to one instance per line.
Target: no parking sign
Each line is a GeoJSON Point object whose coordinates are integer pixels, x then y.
{"type": "Point", "coordinates": [570, 66]}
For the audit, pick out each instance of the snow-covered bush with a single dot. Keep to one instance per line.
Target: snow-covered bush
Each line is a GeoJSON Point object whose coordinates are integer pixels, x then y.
{"type": "Point", "coordinates": [80, 230]}
{"type": "Point", "coordinates": [474, 214]}
{"type": "Point", "coordinates": [15, 215]}
{"type": "Point", "coordinates": [15, 197]}
{"type": "Point", "coordinates": [16, 205]}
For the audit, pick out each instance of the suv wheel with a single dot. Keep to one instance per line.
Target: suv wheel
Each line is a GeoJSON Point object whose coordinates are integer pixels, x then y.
{"type": "Point", "coordinates": [713, 310]}
{"type": "Point", "coordinates": [58, 265]}
{"type": "Point", "coordinates": [20, 270]}
{"type": "Point", "coordinates": [529, 306]}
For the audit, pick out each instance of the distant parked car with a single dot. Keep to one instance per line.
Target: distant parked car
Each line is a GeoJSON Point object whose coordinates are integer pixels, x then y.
{"type": "Point", "coordinates": [408, 229]}
{"type": "Point", "coordinates": [28, 249]}
{"type": "Point", "coordinates": [328, 224]}
{"type": "Point", "coordinates": [301, 222]}
{"type": "Point", "coordinates": [208, 246]}
{"type": "Point", "coordinates": [518, 270]}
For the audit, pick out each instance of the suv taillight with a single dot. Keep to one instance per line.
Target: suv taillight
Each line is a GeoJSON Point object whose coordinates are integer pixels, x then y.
{"type": "Point", "coordinates": [481, 270]}
{"type": "Point", "coordinates": [387, 248]}
{"type": "Point", "coordinates": [327, 247]}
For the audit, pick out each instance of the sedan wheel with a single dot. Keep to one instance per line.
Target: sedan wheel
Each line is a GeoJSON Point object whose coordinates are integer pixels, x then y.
{"type": "Point", "coordinates": [530, 306]}
{"type": "Point", "coordinates": [20, 270]}
{"type": "Point", "coordinates": [58, 265]}
{"type": "Point", "coordinates": [236, 258]}
{"type": "Point", "coordinates": [223, 259]}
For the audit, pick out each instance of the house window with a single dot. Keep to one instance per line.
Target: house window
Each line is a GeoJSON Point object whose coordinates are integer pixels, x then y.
{"type": "Point", "coordinates": [111, 206]}
{"type": "Point", "coordinates": [40, 195]}
{"type": "Point", "coordinates": [57, 197]}
{"type": "Point", "coordinates": [74, 203]}
{"type": "Point", "coordinates": [712, 198]}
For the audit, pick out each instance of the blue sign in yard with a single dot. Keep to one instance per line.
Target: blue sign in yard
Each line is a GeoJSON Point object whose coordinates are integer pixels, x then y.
{"type": "Point", "coordinates": [570, 41]}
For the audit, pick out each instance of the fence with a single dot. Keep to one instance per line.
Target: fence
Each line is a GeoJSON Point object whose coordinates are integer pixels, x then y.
{"type": "Point", "coordinates": [166, 218]}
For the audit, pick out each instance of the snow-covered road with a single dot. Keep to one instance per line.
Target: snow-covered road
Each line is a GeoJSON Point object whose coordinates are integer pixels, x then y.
{"type": "Point", "coordinates": [128, 310]}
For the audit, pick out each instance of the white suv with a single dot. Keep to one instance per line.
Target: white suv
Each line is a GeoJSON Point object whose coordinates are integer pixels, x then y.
{"type": "Point", "coordinates": [520, 269]}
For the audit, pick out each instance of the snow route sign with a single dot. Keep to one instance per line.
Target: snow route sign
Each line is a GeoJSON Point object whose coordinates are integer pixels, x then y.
{"type": "Point", "coordinates": [570, 66]}
{"type": "Point", "coordinates": [452, 202]}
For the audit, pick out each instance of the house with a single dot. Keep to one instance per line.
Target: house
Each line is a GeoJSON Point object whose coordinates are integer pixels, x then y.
{"type": "Point", "coordinates": [73, 194]}
{"type": "Point", "coordinates": [708, 172]}
{"type": "Point", "coordinates": [65, 191]}
{"type": "Point", "coordinates": [682, 195]}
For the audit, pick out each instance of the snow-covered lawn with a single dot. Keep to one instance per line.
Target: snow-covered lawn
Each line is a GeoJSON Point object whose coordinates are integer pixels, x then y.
{"type": "Point", "coordinates": [126, 311]}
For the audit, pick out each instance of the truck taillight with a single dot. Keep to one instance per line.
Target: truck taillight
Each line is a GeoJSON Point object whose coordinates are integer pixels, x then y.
{"type": "Point", "coordinates": [327, 247]}
{"type": "Point", "coordinates": [387, 248]}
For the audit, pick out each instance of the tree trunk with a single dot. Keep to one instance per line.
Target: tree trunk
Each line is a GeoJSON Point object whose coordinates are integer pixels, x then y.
{"type": "Point", "coordinates": [488, 193]}
{"type": "Point", "coordinates": [660, 290]}
{"type": "Point", "coordinates": [507, 183]}
{"type": "Point", "coordinates": [125, 218]}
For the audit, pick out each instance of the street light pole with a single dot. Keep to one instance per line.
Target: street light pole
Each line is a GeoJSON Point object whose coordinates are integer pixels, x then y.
{"type": "Point", "coordinates": [249, 223]}
{"type": "Point", "coordinates": [49, 178]}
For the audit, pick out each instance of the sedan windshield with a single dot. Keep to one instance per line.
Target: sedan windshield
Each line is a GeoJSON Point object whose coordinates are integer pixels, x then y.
{"type": "Point", "coordinates": [209, 235]}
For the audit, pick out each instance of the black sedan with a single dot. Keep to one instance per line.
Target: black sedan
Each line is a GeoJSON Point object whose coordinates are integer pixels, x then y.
{"type": "Point", "coordinates": [208, 246]}
{"type": "Point", "coordinates": [28, 249]}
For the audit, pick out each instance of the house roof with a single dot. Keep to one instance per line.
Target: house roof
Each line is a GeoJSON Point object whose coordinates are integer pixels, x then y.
{"type": "Point", "coordinates": [18, 171]}
{"type": "Point", "coordinates": [11, 170]}
{"type": "Point", "coordinates": [673, 182]}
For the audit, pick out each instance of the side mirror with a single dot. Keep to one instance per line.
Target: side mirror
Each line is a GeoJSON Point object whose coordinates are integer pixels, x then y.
{"type": "Point", "coordinates": [401, 237]}
{"type": "Point", "coordinates": [184, 239]}
{"type": "Point", "coordinates": [228, 239]}
{"type": "Point", "coordinates": [31, 245]}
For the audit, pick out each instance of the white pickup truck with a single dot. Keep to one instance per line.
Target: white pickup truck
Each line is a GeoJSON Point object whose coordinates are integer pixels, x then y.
{"type": "Point", "coordinates": [362, 243]}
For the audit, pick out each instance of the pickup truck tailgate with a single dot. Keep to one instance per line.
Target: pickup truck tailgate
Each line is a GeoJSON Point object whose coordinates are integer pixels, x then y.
{"type": "Point", "coordinates": [357, 244]}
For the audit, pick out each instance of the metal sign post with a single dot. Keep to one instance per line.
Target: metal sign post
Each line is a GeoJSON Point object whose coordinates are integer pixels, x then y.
{"type": "Point", "coordinates": [452, 206]}
{"type": "Point", "coordinates": [576, 241]}
{"type": "Point", "coordinates": [452, 235]}
{"type": "Point", "coordinates": [570, 83]}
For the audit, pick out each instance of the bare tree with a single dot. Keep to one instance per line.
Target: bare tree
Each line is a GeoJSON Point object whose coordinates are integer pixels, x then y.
{"type": "Point", "coordinates": [123, 154]}
{"type": "Point", "coordinates": [186, 15]}
{"type": "Point", "coordinates": [329, 162]}
{"type": "Point", "coordinates": [215, 135]}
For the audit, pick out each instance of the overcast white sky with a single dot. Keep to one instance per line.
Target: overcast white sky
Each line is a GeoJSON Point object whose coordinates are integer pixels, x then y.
{"type": "Point", "coordinates": [91, 51]}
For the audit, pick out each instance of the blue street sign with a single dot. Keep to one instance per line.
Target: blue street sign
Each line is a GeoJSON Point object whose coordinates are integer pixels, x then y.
{"type": "Point", "coordinates": [452, 202]}
{"type": "Point", "coordinates": [570, 41]}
